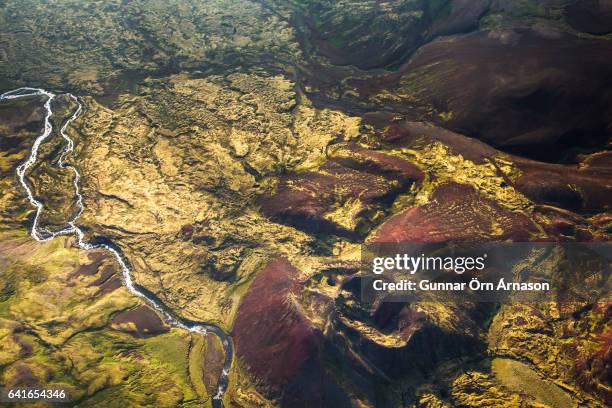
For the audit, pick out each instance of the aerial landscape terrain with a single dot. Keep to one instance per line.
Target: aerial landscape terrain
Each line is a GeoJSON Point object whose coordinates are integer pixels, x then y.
{"type": "Point", "coordinates": [187, 188]}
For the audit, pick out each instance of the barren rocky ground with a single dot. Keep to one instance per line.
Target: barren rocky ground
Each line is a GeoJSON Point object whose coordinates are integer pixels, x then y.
{"type": "Point", "coordinates": [241, 154]}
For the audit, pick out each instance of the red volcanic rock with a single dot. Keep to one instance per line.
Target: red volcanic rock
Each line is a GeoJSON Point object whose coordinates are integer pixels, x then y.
{"type": "Point", "coordinates": [19, 123]}
{"type": "Point", "coordinates": [105, 274]}
{"type": "Point", "coordinates": [302, 200]}
{"type": "Point", "coordinates": [456, 212]}
{"type": "Point", "coordinates": [213, 361]}
{"type": "Point", "coordinates": [520, 89]}
{"type": "Point", "coordinates": [603, 221]}
{"type": "Point", "coordinates": [186, 232]}
{"type": "Point", "coordinates": [307, 200]}
{"type": "Point", "coordinates": [471, 149]}
{"type": "Point", "coordinates": [140, 322]}
{"type": "Point", "coordinates": [395, 133]}
{"type": "Point", "coordinates": [270, 333]}
{"type": "Point", "coordinates": [384, 33]}
{"type": "Point", "coordinates": [462, 17]}
{"type": "Point", "coordinates": [391, 167]}
{"type": "Point", "coordinates": [583, 189]}
{"type": "Point", "coordinates": [593, 370]}
{"type": "Point", "coordinates": [557, 222]}
{"type": "Point", "coordinates": [91, 268]}
{"type": "Point", "coordinates": [598, 160]}
{"type": "Point", "coordinates": [111, 284]}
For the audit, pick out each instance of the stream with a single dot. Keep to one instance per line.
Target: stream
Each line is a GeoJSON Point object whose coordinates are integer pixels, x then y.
{"type": "Point", "coordinates": [43, 234]}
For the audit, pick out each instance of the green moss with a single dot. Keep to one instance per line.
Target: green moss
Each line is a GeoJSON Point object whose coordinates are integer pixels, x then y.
{"type": "Point", "coordinates": [520, 378]}
{"type": "Point", "coordinates": [171, 351]}
{"type": "Point", "coordinates": [19, 274]}
{"type": "Point", "coordinates": [196, 365]}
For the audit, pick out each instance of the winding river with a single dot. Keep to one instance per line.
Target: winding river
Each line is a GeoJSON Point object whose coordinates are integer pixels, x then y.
{"type": "Point", "coordinates": [43, 234]}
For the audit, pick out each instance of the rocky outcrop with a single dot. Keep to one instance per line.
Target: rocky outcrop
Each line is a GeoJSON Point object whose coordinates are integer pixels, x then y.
{"type": "Point", "coordinates": [593, 364]}
{"type": "Point", "coordinates": [270, 334]}
{"type": "Point", "coordinates": [456, 212]}
{"type": "Point", "coordinates": [376, 34]}
{"type": "Point", "coordinates": [511, 90]}
{"type": "Point", "coordinates": [141, 322]}
{"type": "Point", "coordinates": [241, 154]}
{"type": "Point", "coordinates": [344, 195]}
{"type": "Point", "coordinates": [279, 344]}
{"type": "Point", "coordinates": [584, 187]}
{"type": "Point", "coordinates": [581, 188]}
